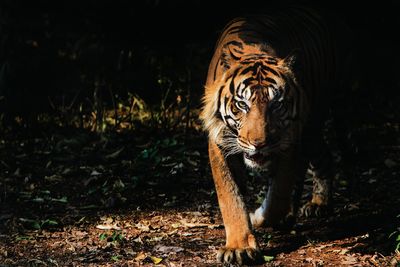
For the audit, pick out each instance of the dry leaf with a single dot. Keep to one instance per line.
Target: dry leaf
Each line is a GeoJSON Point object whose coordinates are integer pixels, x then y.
{"type": "Point", "coordinates": [156, 260]}
{"type": "Point", "coordinates": [141, 256]}
{"type": "Point", "coordinates": [108, 227]}
{"type": "Point", "coordinates": [167, 249]}
{"type": "Point", "coordinates": [199, 225]}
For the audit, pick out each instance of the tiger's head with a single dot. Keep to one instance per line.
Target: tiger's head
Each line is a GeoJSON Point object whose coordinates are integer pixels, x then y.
{"type": "Point", "coordinates": [252, 107]}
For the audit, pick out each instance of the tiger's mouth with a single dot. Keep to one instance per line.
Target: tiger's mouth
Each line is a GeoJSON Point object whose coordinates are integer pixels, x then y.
{"type": "Point", "coordinates": [255, 159]}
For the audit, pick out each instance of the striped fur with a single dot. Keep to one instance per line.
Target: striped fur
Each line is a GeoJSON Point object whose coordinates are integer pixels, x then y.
{"type": "Point", "coordinates": [267, 92]}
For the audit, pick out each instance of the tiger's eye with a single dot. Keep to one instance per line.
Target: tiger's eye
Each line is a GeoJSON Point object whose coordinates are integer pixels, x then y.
{"type": "Point", "coordinates": [242, 105]}
{"type": "Point", "coordinates": [276, 105]}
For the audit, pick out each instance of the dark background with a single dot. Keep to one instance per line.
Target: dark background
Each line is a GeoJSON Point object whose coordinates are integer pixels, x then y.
{"type": "Point", "coordinates": [59, 50]}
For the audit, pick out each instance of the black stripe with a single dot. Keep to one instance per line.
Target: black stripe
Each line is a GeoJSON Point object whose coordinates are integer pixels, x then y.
{"type": "Point", "coordinates": [271, 70]}
{"type": "Point", "coordinates": [248, 81]}
{"type": "Point", "coordinates": [226, 117]}
{"type": "Point", "coordinates": [268, 79]}
{"type": "Point", "coordinates": [233, 56]}
{"type": "Point", "coordinates": [238, 51]}
{"type": "Point", "coordinates": [258, 64]}
{"type": "Point", "coordinates": [249, 69]}
{"type": "Point", "coordinates": [234, 28]}
{"type": "Point", "coordinates": [272, 62]}
{"type": "Point", "coordinates": [258, 87]}
{"type": "Point", "coordinates": [236, 43]}
{"type": "Point", "coordinates": [254, 56]}
{"type": "Point", "coordinates": [219, 102]}
{"type": "Point", "coordinates": [232, 85]}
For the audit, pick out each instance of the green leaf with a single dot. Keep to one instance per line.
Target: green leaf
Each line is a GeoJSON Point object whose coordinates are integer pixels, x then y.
{"type": "Point", "coordinates": [89, 207]}
{"type": "Point", "coordinates": [60, 200]}
{"type": "Point", "coordinates": [145, 154]}
{"type": "Point", "coordinates": [268, 258]}
{"type": "Point", "coordinates": [116, 258]}
{"type": "Point", "coordinates": [392, 234]}
{"type": "Point", "coordinates": [169, 142]}
{"type": "Point", "coordinates": [19, 238]}
{"type": "Point", "coordinates": [35, 225]}
{"type": "Point", "coordinates": [260, 199]}
{"type": "Point", "coordinates": [49, 223]}
{"type": "Point", "coordinates": [38, 200]}
{"type": "Point", "coordinates": [103, 236]}
{"type": "Point", "coordinates": [117, 236]}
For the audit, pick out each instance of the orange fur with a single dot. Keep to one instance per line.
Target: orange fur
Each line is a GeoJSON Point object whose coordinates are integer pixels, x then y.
{"type": "Point", "coordinates": [247, 76]}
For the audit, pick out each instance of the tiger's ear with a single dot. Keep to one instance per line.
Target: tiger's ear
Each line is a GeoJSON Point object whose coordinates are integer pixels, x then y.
{"type": "Point", "coordinates": [231, 53]}
{"type": "Point", "coordinates": [290, 60]}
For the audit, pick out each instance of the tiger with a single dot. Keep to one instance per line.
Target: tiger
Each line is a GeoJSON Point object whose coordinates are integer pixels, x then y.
{"type": "Point", "coordinates": [269, 88]}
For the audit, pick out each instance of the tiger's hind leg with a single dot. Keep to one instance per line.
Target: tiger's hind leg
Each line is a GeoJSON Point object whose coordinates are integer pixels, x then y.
{"type": "Point", "coordinates": [321, 165]}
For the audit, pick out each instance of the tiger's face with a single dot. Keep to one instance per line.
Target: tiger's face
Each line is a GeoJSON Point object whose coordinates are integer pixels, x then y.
{"type": "Point", "coordinates": [255, 122]}
{"type": "Point", "coordinates": [254, 110]}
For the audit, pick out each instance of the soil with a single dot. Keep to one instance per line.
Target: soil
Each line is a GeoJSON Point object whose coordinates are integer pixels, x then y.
{"type": "Point", "coordinates": [74, 198]}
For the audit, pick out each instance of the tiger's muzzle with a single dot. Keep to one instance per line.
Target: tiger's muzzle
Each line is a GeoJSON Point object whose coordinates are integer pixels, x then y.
{"type": "Point", "coordinates": [255, 159]}
{"type": "Point", "coordinates": [257, 156]}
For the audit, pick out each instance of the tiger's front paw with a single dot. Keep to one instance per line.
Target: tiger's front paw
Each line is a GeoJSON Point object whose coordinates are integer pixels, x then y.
{"type": "Point", "coordinates": [248, 253]}
{"type": "Point", "coordinates": [311, 209]}
{"type": "Point", "coordinates": [239, 255]}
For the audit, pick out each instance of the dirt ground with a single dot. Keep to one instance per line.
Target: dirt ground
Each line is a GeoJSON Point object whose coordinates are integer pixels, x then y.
{"type": "Point", "coordinates": [73, 198]}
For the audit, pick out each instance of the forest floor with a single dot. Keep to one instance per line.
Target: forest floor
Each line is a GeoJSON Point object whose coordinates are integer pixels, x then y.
{"type": "Point", "coordinates": [70, 197]}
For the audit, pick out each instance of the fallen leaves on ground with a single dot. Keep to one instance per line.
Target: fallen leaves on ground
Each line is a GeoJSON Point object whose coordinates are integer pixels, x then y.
{"type": "Point", "coordinates": [118, 202]}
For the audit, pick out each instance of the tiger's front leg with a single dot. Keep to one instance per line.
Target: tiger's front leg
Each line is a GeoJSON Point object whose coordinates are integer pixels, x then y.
{"type": "Point", "coordinates": [241, 246]}
{"type": "Point", "coordinates": [278, 207]}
